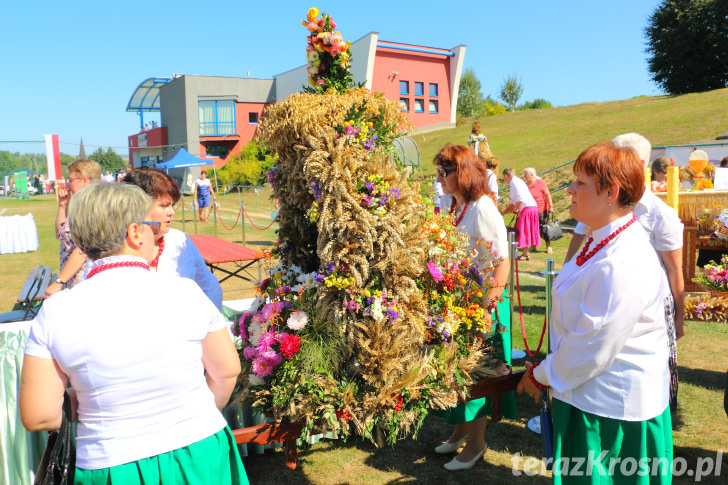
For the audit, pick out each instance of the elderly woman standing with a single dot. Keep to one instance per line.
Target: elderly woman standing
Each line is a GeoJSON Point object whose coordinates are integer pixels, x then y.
{"type": "Point", "coordinates": [73, 262]}
{"type": "Point", "coordinates": [608, 371]}
{"type": "Point", "coordinates": [524, 206]}
{"type": "Point", "coordinates": [174, 251]}
{"type": "Point", "coordinates": [149, 375]}
{"type": "Point", "coordinates": [464, 182]}
{"type": "Point", "coordinates": [542, 196]}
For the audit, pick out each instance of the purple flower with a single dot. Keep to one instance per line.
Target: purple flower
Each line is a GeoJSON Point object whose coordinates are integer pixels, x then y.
{"type": "Point", "coordinates": [319, 278]}
{"type": "Point", "coordinates": [394, 192]}
{"type": "Point", "coordinates": [331, 267]}
{"type": "Point", "coordinates": [393, 314]}
{"type": "Point", "coordinates": [369, 186]}
{"type": "Point", "coordinates": [249, 352]}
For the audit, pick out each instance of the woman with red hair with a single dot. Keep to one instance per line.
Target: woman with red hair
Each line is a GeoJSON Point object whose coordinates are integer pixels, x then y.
{"type": "Point", "coordinates": [608, 370]}
{"type": "Point", "coordinates": [466, 196]}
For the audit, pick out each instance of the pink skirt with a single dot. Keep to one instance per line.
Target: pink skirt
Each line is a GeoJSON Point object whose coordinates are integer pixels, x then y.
{"type": "Point", "coordinates": [528, 228]}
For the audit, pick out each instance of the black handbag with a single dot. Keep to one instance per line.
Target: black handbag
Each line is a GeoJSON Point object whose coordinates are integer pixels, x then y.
{"type": "Point", "coordinates": [58, 463]}
{"type": "Point", "coordinates": [551, 231]}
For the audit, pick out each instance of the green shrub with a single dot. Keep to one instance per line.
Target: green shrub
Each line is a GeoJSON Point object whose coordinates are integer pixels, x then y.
{"type": "Point", "coordinates": [491, 107]}
{"type": "Point", "coordinates": [247, 167]}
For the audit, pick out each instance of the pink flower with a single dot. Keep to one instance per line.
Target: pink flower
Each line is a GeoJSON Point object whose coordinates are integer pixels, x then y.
{"type": "Point", "coordinates": [267, 340]}
{"type": "Point", "coordinates": [261, 368]}
{"type": "Point", "coordinates": [290, 344]}
{"type": "Point", "coordinates": [271, 357]}
{"type": "Point", "coordinates": [434, 272]}
{"type": "Point", "coordinates": [250, 353]}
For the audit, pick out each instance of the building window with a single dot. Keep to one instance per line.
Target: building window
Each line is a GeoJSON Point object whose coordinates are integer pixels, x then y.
{"type": "Point", "coordinates": [220, 151]}
{"type": "Point", "coordinates": [404, 104]}
{"type": "Point", "coordinates": [433, 90]}
{"type": "Point", "coordinates": [419, 105]}
{"type": "Point", "coordinates": [419, 88]}
{"type": "Point", "coordinates": [217, 117]}
{"type": "Point", "coordinates": [253, 118]}
{"type": "Point", "coordinates": [433, 106]}
{"type": "Point", "coordinates": [404, 87]}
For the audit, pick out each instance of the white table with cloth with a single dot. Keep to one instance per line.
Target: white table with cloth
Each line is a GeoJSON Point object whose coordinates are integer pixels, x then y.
{"type": "Point", "coordinates": [20, 451]}
{"type": "Point", "coordinates": [18, 234]}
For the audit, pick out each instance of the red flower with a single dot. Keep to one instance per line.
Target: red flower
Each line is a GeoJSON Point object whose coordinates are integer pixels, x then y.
{"type": "Point", "coordinates": [343, 414]}
{"type": "Point", "coordinates": [290, 344]}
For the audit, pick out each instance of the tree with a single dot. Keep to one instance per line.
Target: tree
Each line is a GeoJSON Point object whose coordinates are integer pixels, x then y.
{"type": "Point", "coordinates": [688, 45]}
{"type": "Point", "coordinates": [108, 160]}
{"type": "Point", "coordinates": [248, 167]}
{"type": "Point", "coordinates": [470, 99]}
{"type": "Point", "coordinates": [491, 107]}
{"type": "Point", "coordinates": [511, 91]}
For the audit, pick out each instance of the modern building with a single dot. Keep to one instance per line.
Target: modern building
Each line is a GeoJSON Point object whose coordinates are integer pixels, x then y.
{"type": "Point", "coordinates": [213, 117]}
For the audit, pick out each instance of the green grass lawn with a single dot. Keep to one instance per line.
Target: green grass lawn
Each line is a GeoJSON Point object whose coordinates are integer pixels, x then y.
{"type": "Point", "coordinates": [699, 429]}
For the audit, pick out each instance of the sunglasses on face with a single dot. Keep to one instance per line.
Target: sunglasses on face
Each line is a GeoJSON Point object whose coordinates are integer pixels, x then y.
{"type": "Point", "coordinates": [444, 172]}
{"type": "Point", "coordinates": [154, 226]}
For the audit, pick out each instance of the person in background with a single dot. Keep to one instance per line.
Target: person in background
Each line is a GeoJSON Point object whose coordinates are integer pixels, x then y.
{"type": "Point", "coordinates": [491, 164]}
{"type": "Point", "coordinates": [724, 162]}
{"type": "Point", "coordinates": [659, 174]}
{"type": "Point", "coordinates": [608, 369]}
{"type": "Point", "coordinates": [174, 251]}
{"type": "Point", "coordinates": [463, 180]}
{"type": "Point", "coordinates": [109, 177]}
{"type": "Point", "coordinates": [121, 175]}
{"type": "Point", "coordinates": [542, 196]}
{"type": "Point", "coordinates": [203, 192]}
{"type": "Point", "coordinates": [524, 206]}
{"type": "Point", "coordinates": [72, 260]}
{"type": "Point", "coordinates": [149, 358]}
{"type": "Point", "coordinates": [666, 236]}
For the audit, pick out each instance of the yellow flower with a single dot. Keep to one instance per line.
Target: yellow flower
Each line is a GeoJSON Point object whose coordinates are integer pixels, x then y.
{"type": "Point", "coordinates": [312, 14]}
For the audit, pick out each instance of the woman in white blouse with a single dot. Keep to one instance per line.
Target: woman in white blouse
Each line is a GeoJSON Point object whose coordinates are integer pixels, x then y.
{"type": "Point", "coordinates": [174, 251]}
{"type": "Point", "coordinates": [466, 197]}
{"type": "Point", "coordinates": [608, 371]}
{"type": "Point", "coordinates": [523, 204]}
{"type": "Point", "coordinates": [148, 376]}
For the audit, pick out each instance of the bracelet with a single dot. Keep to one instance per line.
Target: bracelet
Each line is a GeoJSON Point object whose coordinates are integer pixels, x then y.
{"type": "Point", "coordinates": [533, 379]}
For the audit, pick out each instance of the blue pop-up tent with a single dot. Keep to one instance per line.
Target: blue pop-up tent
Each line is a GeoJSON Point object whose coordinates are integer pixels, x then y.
{"type": "Point", "coordinates": [184, 159]}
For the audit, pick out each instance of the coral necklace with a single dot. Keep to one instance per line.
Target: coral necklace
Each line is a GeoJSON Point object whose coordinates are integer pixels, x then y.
{"type": "Point", "coordinates": [120, 264]}
{"type": "Point", "coordinates": [462, 213]}
{"type": "Point", "coordinates": [154, 262]}
{"type": "Point", "coordinates": [583, 257]}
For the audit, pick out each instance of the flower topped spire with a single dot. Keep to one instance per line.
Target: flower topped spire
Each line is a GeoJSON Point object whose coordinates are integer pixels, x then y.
{"type": "Point", "coordinates": [328, 56]}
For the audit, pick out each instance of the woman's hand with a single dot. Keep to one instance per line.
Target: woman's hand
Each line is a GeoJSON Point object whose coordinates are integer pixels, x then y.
{"type": "Point", "coordinates": [63, 197]}
{"type": "Point", "coordinates": [529, 387]}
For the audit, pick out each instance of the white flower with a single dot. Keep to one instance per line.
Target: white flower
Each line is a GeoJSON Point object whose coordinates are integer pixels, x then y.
{"type": "Point", "coordinates": [255, 331]}
{"type": "Point", "coordinates": [297, 320]}
{"type": "Point", "coordinates": [254, 380]}
{"type": "Point", "coordinates": [376, 310]}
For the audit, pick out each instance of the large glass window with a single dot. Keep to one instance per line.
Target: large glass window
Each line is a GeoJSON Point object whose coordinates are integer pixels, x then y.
{"type": "Point", "coordinates": [433, 106]}
{"type": "Point", "coordinates": [216, 151]}
{"type": "Point", "coordinates": [404, 104]}
{"type": "Point", "coordinates": [217, 117]}
{"type": "Point", "coordinates": [419, 88]}
{"type": "Point", "coordinates": [419, 105]}
{"type": "Point", "coordinates": [404, 87]}
{"type": "Point", "coordinates": [433, 90]}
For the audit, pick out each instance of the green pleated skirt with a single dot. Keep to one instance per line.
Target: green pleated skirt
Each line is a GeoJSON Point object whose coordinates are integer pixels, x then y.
{"type": "Point", "coordinates": [590, 449]}
{"type": "Point", "coordinates": [477, 408]}
{"type": "Point", "coordinates": [211, 461]}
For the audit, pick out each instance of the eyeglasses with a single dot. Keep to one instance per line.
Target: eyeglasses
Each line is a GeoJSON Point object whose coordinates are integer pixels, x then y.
{"type": "Point", "coordinates": [444, 172]}
{"type": "Point", "coordinates": [71, 179]}
{"type": "Point", "coordinates": [154, 226]}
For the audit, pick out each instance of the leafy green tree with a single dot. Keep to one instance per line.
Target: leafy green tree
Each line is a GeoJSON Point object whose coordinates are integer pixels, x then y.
{"type": "Point", "coordinates": [470, 99]}
{"type": "Point", "coordinates": [538, 103]}
{"type": "Point", "coordinates": [511, 91]}
{"type": "Point", "coordinates": [687, 45]}
{"type": "Point", "coordinates": [248, 167]}
{"type": "Point", "coordinates": [108, 160]}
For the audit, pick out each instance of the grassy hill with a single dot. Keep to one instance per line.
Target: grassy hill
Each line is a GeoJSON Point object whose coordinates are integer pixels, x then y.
{"type": "Point", "coordinates": [548, 137]}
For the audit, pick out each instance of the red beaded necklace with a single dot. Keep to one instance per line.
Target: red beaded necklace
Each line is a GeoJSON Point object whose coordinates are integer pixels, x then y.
{"type": "Point", "coordinates": [154, 262]}
{"type": "Point", "coordinates": [583, 257]}
{"type": "Point", "coordinates": [120, 264]}
{"type": "Point", "coordinates": [462, 213]}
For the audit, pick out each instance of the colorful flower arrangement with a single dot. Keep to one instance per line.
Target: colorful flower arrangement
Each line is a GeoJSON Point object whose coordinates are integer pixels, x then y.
{"type": "Point", "coordinates": [715, 276]}
{"type": "Point", "coordinates": [327, 54]}
{"type": "Point", "coordinates": [706, 308]}
{"type": "Point", "coordinates": [472, 138]}
{"type": "Point", "coordinates": [376, 194]}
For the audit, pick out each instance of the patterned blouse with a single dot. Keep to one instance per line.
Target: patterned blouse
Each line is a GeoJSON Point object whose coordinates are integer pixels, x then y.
{"type": "Point", "coordinates": [67, 247]}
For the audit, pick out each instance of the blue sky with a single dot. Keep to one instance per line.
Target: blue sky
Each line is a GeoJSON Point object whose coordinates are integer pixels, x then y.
{"type": "Point", "coordinates": [70, 67]}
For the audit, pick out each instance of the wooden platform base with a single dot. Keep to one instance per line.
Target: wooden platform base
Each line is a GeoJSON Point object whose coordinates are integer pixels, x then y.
{"type": "Point", "coordinates": [287, 432]}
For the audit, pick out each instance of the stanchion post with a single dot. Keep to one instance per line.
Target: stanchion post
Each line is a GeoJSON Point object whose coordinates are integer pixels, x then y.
{"type": "Point", "coordinates": [550, 275]}
{"type": "Point", "coordinates": [194, 213]}
{"type": "Point", "coordinates": [512, 250]}
{"type": "Point", "coordinates": [183, 213]}
{"type": "Point", "coordinates": [242, 216]}
{"type": "Point", "coordinates": [546, 427]}
{"type": "Point", "coordinates": [214, 214]}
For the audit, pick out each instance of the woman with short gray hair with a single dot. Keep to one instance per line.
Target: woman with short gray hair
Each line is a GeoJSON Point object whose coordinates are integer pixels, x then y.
{"type": "Point", "coordinates": [149, 374]}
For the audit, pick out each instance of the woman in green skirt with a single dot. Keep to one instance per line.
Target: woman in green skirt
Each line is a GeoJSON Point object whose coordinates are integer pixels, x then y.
{"type": "Point", "coordinates": [466, 196]}
{"type": "Point", "coordinates": [148, 357]}
{"type": "Point", "coordinates": [608, 370]}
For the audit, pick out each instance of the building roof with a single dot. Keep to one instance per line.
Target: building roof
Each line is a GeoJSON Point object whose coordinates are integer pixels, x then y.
{"type": "Point", "coordinates": [146, 95]}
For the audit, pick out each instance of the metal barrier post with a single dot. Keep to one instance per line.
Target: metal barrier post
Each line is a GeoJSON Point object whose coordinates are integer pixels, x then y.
{"type": "Point", "coordinates": [242, 216]}
{"type": "Point", "coordinates": [512, 250]}
{"type": "Point", "coordinates": [194, 213]}
{"type": "Point", "coordinates": [214, 213]}
{"type": "Point", "coordinates": [183, 213]}
{"type": "Point", "coordinates": [550, 275]}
